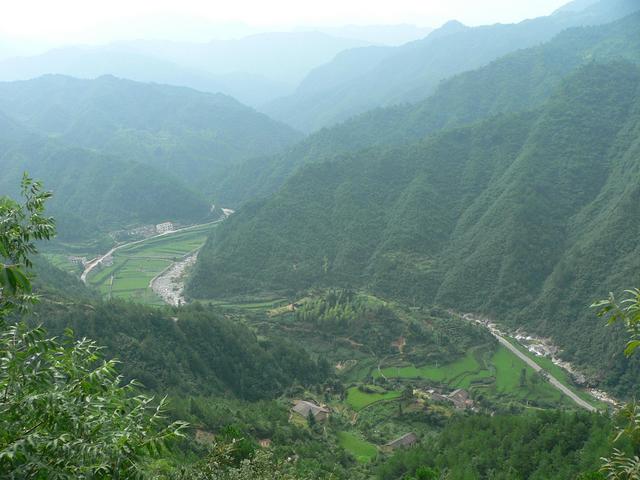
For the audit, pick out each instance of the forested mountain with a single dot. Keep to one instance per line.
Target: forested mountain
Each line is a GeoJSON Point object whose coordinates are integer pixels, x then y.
{"type": "Point", "coordinates": [413, 71]}
{"type": "Point", "coordinates": [94, 192]}
{"type": "Point", "coordinates": [488, 218]}
{"type": "Point", "coordinates": [517, 82]}
{"type": "Point", "coordinates": [191, 135]}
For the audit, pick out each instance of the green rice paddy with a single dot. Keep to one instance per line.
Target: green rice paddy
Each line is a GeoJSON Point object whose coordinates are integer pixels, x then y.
{"type": "Point", "coordinates": [359, 400]}
{"type": "Point", "coordinates": [361, 450]}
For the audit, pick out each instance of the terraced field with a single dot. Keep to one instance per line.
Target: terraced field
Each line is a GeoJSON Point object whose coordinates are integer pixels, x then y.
{"type": "Point", "coordinates": [136, 265]}
{"type": "Point", "coordinates": [498, 374]}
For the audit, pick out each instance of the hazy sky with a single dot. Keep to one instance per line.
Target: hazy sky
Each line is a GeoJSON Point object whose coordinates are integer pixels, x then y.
{"type": "Point", "coordinates": [102, 20]}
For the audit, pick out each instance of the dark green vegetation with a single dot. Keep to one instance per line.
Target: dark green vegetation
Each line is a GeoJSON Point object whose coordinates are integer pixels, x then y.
{"type": "Point", "coordinates": [409, 73]}
{"type": "Point", "coordinates": [188, 352]}
{"type": "Point", "coordinates": [65, 412]}
{"type": "Point", "coordinates": [503, 218]}
{"type": "Point", "coordinates": [540, 446]}
{"type": "Point", "coordinates": [95, 192]}
{"type": "Point", "coordinates": [512, 192]}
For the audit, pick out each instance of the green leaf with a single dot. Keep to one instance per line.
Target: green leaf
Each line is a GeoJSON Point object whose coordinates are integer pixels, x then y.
{"type": "Point", "coordinates": [631, 347]}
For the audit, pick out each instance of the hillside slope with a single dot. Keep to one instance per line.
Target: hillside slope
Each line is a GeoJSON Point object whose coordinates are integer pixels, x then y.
{"type": "Point", "coordinates": [514, 83]}
{"type": "Point", "coordinates": [486, 218]}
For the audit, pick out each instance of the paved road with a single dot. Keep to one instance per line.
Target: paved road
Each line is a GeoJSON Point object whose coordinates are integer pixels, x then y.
{"type": "Point", "coordinates": [97, 261]}
{"type": "Point", "coordinates": [552, 380]}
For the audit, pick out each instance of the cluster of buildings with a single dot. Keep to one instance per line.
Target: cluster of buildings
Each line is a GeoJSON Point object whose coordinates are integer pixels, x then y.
{"type": "Point", "coordinates": [305, 409]}
{"type": "Point", "coordinates": [459, 398]}
{"type": "Point", "coordinates": [75, 260]}
{"type": "Point", "coordinates": [165, 227]}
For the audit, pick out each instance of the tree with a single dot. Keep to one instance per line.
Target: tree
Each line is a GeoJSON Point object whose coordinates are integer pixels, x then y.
{"type": "Point", "coordinates": [626, 311]}
{"type": "Point", "coordinates": [523, 378]}
{"type": "Point", "coordinates": [620, 465]}
{"type": "Point", "coordinates": [220, 465]}
{"type": "Point", "coordinates": [311, 420]}
{"type": "Point", "coordinates": [20, 226]}
{"type": "Point", "coordinates": [63, 411]}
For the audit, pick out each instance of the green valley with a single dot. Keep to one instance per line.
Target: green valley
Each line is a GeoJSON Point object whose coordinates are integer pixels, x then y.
{"type": "Point", "coordinates": [132, 267]}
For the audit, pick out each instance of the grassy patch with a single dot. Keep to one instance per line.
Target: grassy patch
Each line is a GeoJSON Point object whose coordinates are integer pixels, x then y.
{"type": "Point", "coordinates": [359, 400]}
{"type": "Point", "coordinates": [362, 450]}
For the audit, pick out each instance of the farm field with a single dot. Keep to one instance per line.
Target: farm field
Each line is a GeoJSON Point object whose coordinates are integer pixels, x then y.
{"type": "Point", "coordinates": [361, 450]}
{"type": "Point", "coordinates": [136, 265]}
{"type": "Point", "coordinates": [499, 374]}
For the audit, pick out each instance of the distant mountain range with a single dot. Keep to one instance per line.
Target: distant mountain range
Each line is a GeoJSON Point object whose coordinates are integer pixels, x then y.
{"type": "Point", "coordinates": [334, 92]}
{"type": "Point", "coordinates": [250, 69]}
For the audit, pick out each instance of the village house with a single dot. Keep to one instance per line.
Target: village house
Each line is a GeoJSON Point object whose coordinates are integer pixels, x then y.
{"type": "Point", "coordinates": [107, 261]}
{"type": "Point", "coordinates": [303, 408]}
{"type": "Point", "coordinates": [77, 260]}
{"type": "Point", "coordinates": [438, 397]}
{"type": "Point", "coordinates": [165, 227]}
{"type": "Point", "coordinates": [405, 441]}
{"type": "Point", "coordinates": [461, 399]}
{"type": "Point", "coordinates": [144, 231]}
{"type": "Point", "coordinates": [265, 442]}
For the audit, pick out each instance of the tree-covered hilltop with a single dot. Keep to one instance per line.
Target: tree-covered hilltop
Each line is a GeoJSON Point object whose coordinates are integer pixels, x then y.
{"type": "Point", "coordinates": [191, 135]}
{"type": "Point", "coordinates": [486, 218]}
{"type": "Point", "coordinates": [189, 352]}
{"type": "Point", "coordinates": [413, 71]}
{"type": "Point", "coordinates": [94, 192]}
{"type": "Point", "coordinates": [517, 82]}
{"type": "Point", "coordinates": [536, 445]}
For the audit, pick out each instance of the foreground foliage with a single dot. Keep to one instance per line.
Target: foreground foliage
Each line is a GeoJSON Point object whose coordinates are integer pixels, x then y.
{"type": "Point", "coordinates": [622, 465]}
{"type": "Point", "coordinates": [63, 410]}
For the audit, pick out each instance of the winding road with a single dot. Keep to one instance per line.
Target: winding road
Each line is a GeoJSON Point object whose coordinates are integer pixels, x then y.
{"type": "Point", "coordinates": [552, 380]}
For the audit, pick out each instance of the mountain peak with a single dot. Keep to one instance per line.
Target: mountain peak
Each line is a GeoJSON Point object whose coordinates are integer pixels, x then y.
{"type": "Point", "coordinates": [452, 26]}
